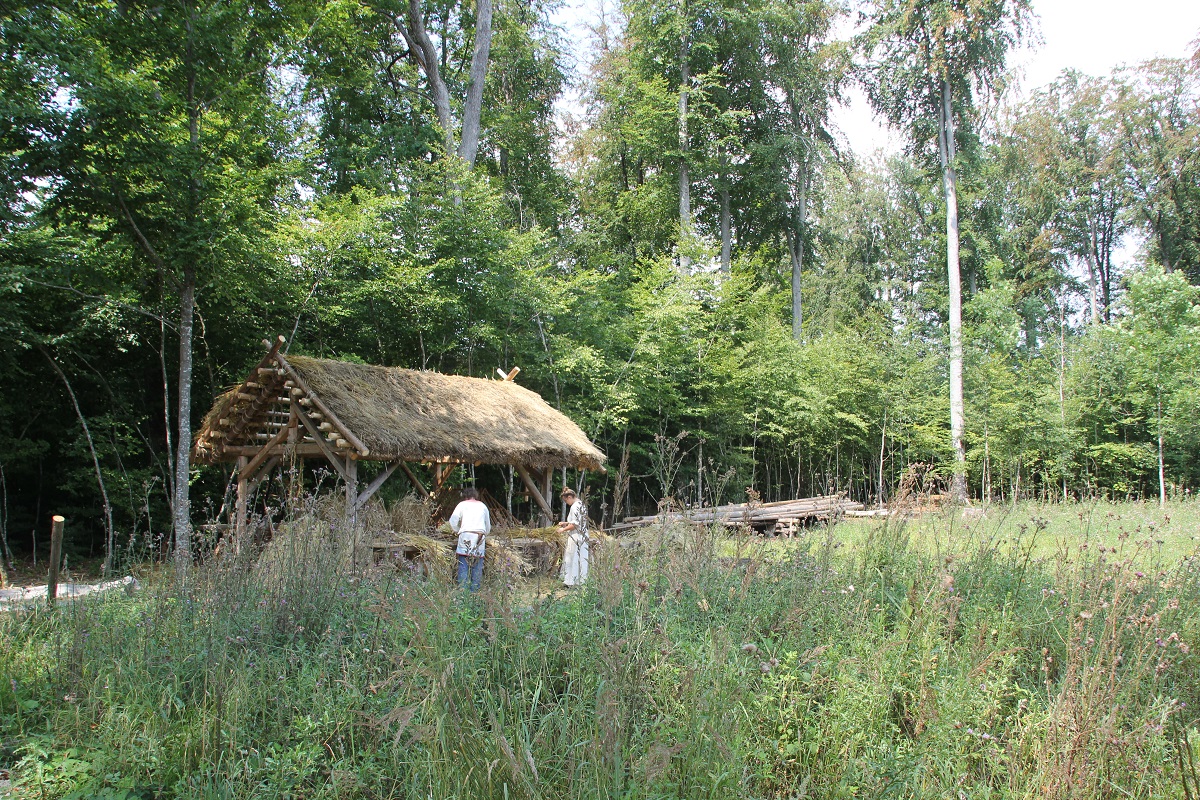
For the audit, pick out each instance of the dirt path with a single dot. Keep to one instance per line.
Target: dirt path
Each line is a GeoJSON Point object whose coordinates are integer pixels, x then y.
{"type": "Point", "coordinates": [24, 595]}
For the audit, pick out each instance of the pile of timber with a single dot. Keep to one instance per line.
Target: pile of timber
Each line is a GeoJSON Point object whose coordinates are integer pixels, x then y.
{"type": "Point", "coordinates": [783, 518]}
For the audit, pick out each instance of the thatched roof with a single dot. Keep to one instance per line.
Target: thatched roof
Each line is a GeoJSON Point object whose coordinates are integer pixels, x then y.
{"type": "Point", "coordinates": [408, 415]}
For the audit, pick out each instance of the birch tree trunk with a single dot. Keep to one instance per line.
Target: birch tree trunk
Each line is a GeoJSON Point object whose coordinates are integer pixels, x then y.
{"type": "Point", "coordinates": [183, 454]}
{"type": "Point", "coordinates": [958, 487]}
{"type": "Point", "coordinates": [685, 183]}
{"type": "Point", "coordinates": [726, 237]}
{"type": "Point", "coordinates": [1162, 472]}
{"type": "Point", "coordinates": [182, 521]}
{"type": "Point", "coordinates": [796, 251]}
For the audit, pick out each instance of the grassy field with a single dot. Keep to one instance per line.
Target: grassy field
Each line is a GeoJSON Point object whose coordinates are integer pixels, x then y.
{"type": "Point", "coordinates": [1039, 651]}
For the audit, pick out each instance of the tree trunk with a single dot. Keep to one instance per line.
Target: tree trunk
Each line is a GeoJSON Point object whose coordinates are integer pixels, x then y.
{"type": "Point", "coordinates": [1093, 294]}
{"type": "Point", "coordinates": [183, 454]}
{"type": "Point", "coordinates": [87, 434]}
{"type": "Point", "coordinates": [796, 252]}
{"type": "Point", "coordinates": [473, 108]}
{"type": "Point", "coordinates": [425, 53]}
{"type": "Point", "coordinates": [726, 241]}
{"type": "Point", "coordinates": [1162, 473]}
{"type": "Point", "coordinates": [685, 183]}
{"type": "Point", "coordinates": [958, 487]}
{"type": "Point", "coordinates": [187, 311]}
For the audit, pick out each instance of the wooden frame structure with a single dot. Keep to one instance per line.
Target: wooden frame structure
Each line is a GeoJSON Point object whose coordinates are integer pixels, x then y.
{"type": "Point", "coordinates": [310, 408]}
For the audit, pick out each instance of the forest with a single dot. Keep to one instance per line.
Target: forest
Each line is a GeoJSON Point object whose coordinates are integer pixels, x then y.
{"type": "Point", "coordinates": [670, 238]}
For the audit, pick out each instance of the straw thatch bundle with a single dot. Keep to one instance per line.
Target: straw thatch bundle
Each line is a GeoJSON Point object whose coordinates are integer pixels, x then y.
{"type": "Point", "coordinates": [436, 555]}
{"type": "Point", "coordinates": [501, 556]}
{"type": "Point", "coordinates": [414, 415]}
{"type": "Point", "coordinates": [412, 515]}
{"type": "Point", "coordinates": [551, 535]}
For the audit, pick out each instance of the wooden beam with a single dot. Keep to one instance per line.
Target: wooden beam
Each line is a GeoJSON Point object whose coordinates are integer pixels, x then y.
{"type": "Point", "coordinates": [303, 450]}
{"type": "Point", "coordinates": [362, 449]}
{"type": "Point", "coordinates": [536, 493]}
{"type": "Point", "coordinates": [265, 472]}
{"type": "Point", "coordinates": [252, 467]}
{"type": "Point", "coordinates": [373, 487]}
{"type": "Point", "coordinates": [333, 458]}
{"type": "Point", "coordinates": [420, 487]}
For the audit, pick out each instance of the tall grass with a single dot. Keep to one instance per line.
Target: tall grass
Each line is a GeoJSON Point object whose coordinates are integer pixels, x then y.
{"type": "Point", "coordinates": [977, 662]}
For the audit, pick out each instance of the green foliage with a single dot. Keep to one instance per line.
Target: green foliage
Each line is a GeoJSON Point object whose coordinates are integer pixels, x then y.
{"type": "Point", "coordinates": [995, 659]}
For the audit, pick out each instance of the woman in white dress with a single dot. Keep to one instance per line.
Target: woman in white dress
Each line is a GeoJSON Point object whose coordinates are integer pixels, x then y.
{"type": "Point", "coordinates": [575, 555]}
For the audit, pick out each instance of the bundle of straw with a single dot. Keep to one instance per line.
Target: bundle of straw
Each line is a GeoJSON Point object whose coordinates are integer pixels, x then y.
{"type": "Point", "coordinates": [552, 535]}
{"type": "Point", "coordinates": [436, 554]}
{"type": "Point", "coordinates": [501, 555]}
{"type": "Point", "coordinates": [411, 515]}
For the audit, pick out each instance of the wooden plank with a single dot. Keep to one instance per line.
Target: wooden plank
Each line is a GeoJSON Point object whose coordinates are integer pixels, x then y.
{"type": "Point", "coordinates": [304, 449]}
{"type": "Point", "coordinates": [363, 450]}
{"type": "Point", "coordinates": [319, 440]}
{"type": "Point", "coordinates": [374, 485]}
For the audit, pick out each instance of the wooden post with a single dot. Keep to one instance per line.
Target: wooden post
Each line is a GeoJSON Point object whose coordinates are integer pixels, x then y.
{"type": "Point", "coordinates": [547, 513]}
{"type": "Point", "coordinates": [352, 507]}
{"type": "Point", "coordinates": [420, 487]}
{"type": "Point", "coordinates": [56, 534]}
{"type": "Point", "coordinates": [351, 491]}
{"type": "Point", "coordinates": [243, 500]}
{"type": "Point", "coordinates": [548, 492]}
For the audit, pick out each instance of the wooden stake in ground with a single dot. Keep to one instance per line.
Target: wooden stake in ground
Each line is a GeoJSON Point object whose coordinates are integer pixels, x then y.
{"type": "Point", "coordinates": [56, 532]}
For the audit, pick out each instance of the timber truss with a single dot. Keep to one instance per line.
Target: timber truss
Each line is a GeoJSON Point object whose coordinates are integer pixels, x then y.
{"type": "Point", "coordinates": [274, 415]}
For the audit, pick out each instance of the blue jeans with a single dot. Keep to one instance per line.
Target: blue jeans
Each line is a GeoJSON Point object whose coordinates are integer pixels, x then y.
{"type": "Point", "coordinates": [473, 571]}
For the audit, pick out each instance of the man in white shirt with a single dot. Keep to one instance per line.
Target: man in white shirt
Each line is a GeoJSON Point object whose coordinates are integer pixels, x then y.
{"type": "Point", "coordinates": [472, 522]}
{"type": "Point", "coordinates": [575, 554]}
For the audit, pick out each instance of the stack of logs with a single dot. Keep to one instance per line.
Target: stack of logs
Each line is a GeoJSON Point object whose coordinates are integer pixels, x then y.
{"type": "Point", "coordinates": [784, 518]}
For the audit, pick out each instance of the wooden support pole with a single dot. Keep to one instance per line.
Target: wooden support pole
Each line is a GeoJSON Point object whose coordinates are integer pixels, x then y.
{"type": "Point", "coordinates": [334, 459]}
{"type": "Point", "coordinates": [243, 500]}
{"type": "Point", "coordinates": [536, 494]}
{"type": "Point", "coordinates": [247, 472]}
{"type": "Point", "coordinates": [420, 487]}
{"type": "Point", "coordinates": [352, 505]}
{"type": "Point", "coordinates": [56, 534]}
{"type": "Point", "coordinates": [375, 484]}
{"type": "Point", "coordinates": [548, 491]}
{"type": "Point", "coordinates": [265, 472]}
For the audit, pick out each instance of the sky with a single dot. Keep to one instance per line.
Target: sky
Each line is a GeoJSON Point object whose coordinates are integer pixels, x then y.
{"type": "Point", "coordinates": [1092, 36]}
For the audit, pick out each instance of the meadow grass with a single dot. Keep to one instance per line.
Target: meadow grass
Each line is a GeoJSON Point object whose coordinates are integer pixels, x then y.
{"type": "Point", "coordinates": [928, 658]}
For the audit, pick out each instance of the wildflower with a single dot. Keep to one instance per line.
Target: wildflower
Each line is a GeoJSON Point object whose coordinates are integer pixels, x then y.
{"type": "Point", "coordinates": [764, 667]}
{"type": "Point", "coordinates": [750, 647]}
{"type": "Point", "coordinates": [1085, 615]}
